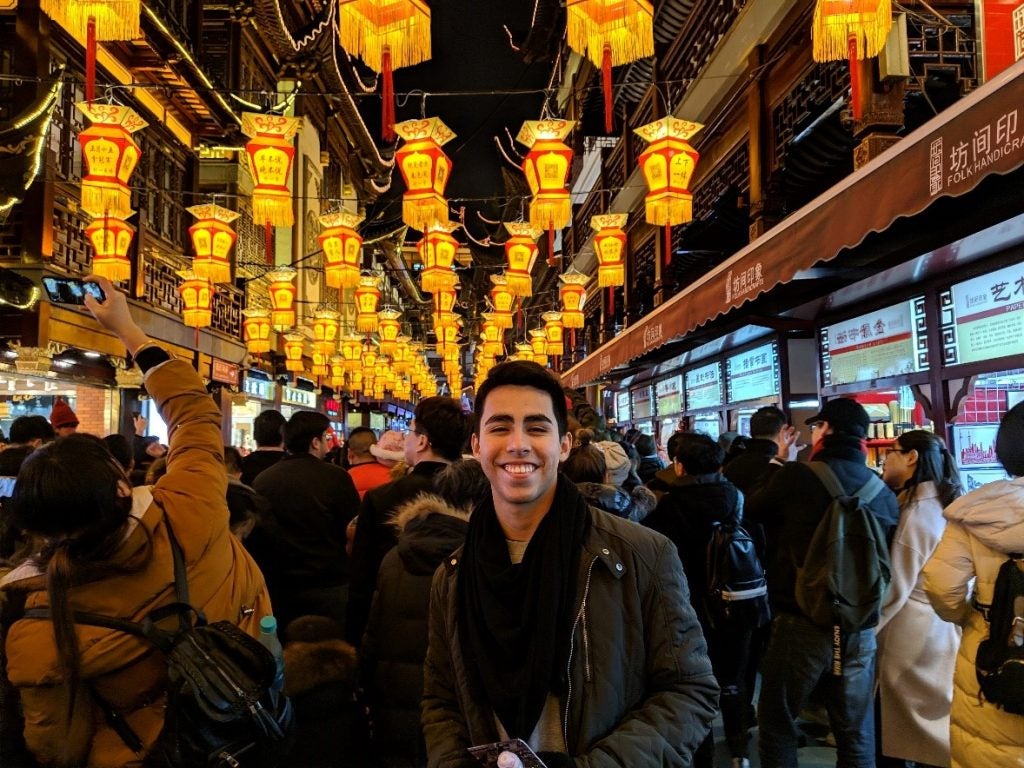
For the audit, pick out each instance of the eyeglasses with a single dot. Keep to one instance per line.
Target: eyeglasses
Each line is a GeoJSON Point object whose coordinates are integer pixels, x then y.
{"type": "Point", "coordinates": [816, 425]}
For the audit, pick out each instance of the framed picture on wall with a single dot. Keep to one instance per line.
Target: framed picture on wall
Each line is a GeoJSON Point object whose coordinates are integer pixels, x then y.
{"type": "Point", "coordinates": [974, 446]}
{"type": "Point", "coordinates": [973, 479]}
{"type": "Point", "coordinates": [1013, 398]}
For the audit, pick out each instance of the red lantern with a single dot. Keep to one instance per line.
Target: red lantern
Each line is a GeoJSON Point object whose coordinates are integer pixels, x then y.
{"type": "Point", "coordinates": [282, 297]}
{"type": "Point", "coordinates": [438, 253]}
{"type": "Point", "coordinates": [342, 246]}
{"type": "Point", "coordinates": [521, 253]}
{"type": "Point", "coordinates": [547, 166]}
{"type": "Point", "coordinates": [389, 325]}
{"type": "Point", "coordinates": [539, 345]}
{"type": "Point", "coordinates": [110, 156]}
{"type": "Point", "coordinates": [610, 248]}
{"type": "Point", "coordinates": [325, 331]}
{"type": "Point", "coordinates": [352, 351]}
{"type": "Point", "coordinates": [501, 299]}
{"type": "Point", "coordinates": [367, 299]}
{"type": "Point", "coordinates": [493, 337]}
{"type": "Point", "coordinates": [110, 238]}
{"type": "Point", "coordinates": [197, 299]}
{"type": "Point", "coordinates": [212, 241]}
{"type": "Point", "coordinates": [256, 330]}
{"type": "Point", "coordinates": [425, 170]}
{"type": "Point", "coordinates": [293, 343]}
{"type": "Point", "coordinates": [444, 306]}
{"type": "Point", "coordinates": [270, 153]}
{"type": "Point", "coordinates": [573, 293]}
{"type": "Point", "coordinates": [554, 330]}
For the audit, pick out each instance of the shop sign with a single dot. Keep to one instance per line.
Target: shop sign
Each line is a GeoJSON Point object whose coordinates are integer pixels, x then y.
{"type": "Point", "coordinates": [264, 390]}
{"type": "Point", "coordinates": [332, 406]}
{"type": "Point", "coordinates": [960, 159]}
{"type": "Point", "coordinates": [753, 374]}
{"type": "Point", "coordinates": [871, 346]}
{"type": "Point", "coordinates": [1002, 34]}
{"type": "Point", "coordinates": [704, 387]}
{"type": "Point", "coordinates": [622, 408]}
{"type": "Point", "coordinates": [224, 372]}
{"type": "Point", "coordinates": [299, 397]}
{"type": "Point", "coordinates": [642, 403]}
{"type": "Point", "coordinates": [653, 335]}
{"type": "Point", "coordinates": [669, 395]}
{"type": "Point", "coordinates": [989, 315]}
{"type": "Point", "coordinates": [739, 283]}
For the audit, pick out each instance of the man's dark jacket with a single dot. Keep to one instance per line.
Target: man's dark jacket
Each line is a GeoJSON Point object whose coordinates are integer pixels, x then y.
{"type": "Point", "coordinates": [311, 503]}
{"type": "Point", "coordinates": [793, 503]}
{"type": "Point", "coordinates": [257, 461]}
{"type": "Point", "coordinates": [375, 536]}
{"type": "Point", "coordinates": [753, 469]}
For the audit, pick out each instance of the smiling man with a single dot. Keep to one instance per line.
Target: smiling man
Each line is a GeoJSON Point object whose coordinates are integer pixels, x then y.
{"type": "Point", "coordinates": [558, 623]}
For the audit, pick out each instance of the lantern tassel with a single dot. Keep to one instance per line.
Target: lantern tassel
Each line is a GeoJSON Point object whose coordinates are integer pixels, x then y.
{"type": "Point", "coordinates": [606, 86]}
{"type": "Point", "coordinates": [854, 77]}
{"type": "Point", "coordinates": [387, 95]}
{"type": "Point", "coordinates": [90, 59]}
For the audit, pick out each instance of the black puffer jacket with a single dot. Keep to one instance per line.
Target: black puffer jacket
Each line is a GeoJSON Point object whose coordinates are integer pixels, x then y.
{"type": "Point", "coordinates": [793, 503]}
{"type": "Point", "coordinates": [634, 505]}
{"type": "Point", "coordinates": [641, 692]}
{"type": "Point", "coordinates": [687, 514]}
{"type": "Point", "coordinates": [395, 643]}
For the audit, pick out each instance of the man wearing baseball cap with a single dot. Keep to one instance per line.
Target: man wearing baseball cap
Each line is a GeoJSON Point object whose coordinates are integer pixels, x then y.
{"type": "Point", "coordinates": [799, 654]}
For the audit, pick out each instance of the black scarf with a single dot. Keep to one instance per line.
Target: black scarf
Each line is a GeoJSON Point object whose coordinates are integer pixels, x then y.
{"type": "Point", "coordinates": [515, 620]}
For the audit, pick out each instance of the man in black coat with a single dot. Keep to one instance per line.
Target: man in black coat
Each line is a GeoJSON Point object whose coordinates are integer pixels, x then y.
{"type": "Point", "coordinates": [772, 443]}
{"type": "Point", "coordinates": [267, 431]}
{"type": "Point", "coordinates": [799, 653]}
{"type": "Point", "coordinates": [435, 439]}
{"type": "Point", "coordinates": [301, 546]}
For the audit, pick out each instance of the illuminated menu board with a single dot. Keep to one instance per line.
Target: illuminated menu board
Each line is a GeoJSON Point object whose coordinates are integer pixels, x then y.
{"type": "Point", "coordinates": [989, 316]}
{"type": "Point", "coordinates": [622, 407]}
{"type": "Point", "coordinates": [643, 405]}
{"type": "Point", "coordinates": [887, 342]}
{"type": "Point", "coordinates": [669, 394]}
{"type": "Point", "coordinates": [704, 387]}
{"type": "Point", "coordinates": [753, 374]}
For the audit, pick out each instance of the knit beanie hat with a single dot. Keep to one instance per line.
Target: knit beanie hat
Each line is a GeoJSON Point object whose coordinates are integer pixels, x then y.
{"type": "Point", "coordinates": [390, 449]}
{"type": "Point", "coordinates": [616, 461]}
{"type": "Point", "coordinates": [1010, 441]}
{"type": "Point", "coordinates": [62, 415]}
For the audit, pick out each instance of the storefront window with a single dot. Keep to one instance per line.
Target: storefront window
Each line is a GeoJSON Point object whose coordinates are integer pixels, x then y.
{"type": "Point", "coordinates": [24, 395]}
{"type": "Point", "coordinates": [982, 404]}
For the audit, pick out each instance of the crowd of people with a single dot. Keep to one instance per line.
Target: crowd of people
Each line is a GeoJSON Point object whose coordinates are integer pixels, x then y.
{"type": "Point", "coordinates": [521, 572]}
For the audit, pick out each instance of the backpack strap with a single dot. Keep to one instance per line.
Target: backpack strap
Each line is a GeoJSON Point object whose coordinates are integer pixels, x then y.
{"type": "Point", "coordinates": [866, 493]}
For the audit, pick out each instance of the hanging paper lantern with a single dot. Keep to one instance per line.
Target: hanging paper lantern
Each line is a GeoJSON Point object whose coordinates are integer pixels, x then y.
{"type": "Point", "coordinates": [447, 337]}
{"type": "Point", "coordinates": [610, 248]}
{"type": "Point", "coordinates": [493, 337]}
{"type": "Point", "coordinates": [554, 329]}
{"type": "Point", "coordinates": [573, 293]}
{"type": "Point", "coordinates": [389, 325]}
{"type": "Point", "coordinates": [256, 330]}
{"type": "Point", "coordinates": [401, 358]}
{"type": "Point", "coordinates": [368, 360]}
{"type": "Point", "coordinates": [386, 35]}
{"type": "Point", "coordinates": [337, 365]}
{"type": "Point", "coordinates": [352, 351]}
{"type": "Point", "coordinates": [293, 351]}
{"type": "Point", "coordinates": [325, 331]}
{"type": "Point", "coordinates": [852, 30]}
{"type": "Point", "coordinates": [110, 238]}
{"type": "Point", "coordinates": [524, 351]}
{"type": "Point", "coordinates": [444, 305]}
{"type": "Point", "coordinates": [539, 345]}
{"type": "Point", "coordinates": [425, 170]}
{"type": "Point", "coordinates": [547, 166]}
{"type": "Point", "coordinates": [282, 297]}
{"type": "Point", "coordinates": [668, 164]}
{"type": "Point", "coordinates": [110, 155]}
{"type": "Point", "coordinates": [115, 19]}
{"type": "Point", "coordinates": [270, 153]}
{"type": "Point", "coordinates": [521, 253]}
{"type": "Point", "coordinates": [212, 241]}
{"type": "Point", "coordinates": [610, 34]}
{"type": "Point", "coordinates": [501, 301]}
{"type": "Point", "coordinates": [438, 254]}
{"type": "Point", "coordinates": [342, 246]}
{"type": "Point", "coordinates": [367, 298]}
{"type": "Point", "coordinates": [197, 299]}
{"type": "Point", "coordinates": [319, 366]}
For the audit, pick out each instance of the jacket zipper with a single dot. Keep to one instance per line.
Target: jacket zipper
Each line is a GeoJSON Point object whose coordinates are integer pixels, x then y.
{"type": "Point", "coordinates": [572, 647]}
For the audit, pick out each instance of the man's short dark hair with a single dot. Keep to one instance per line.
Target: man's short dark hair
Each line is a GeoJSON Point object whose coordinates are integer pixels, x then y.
{"type": "Point", "coordinates": [267, 429]}
{"type": "Point", "coordinates": [767, 422]}
{"type": "Point", "coordinates": [523, 373]}
{"type": "Point", "coordinates": [645, 445]}
{"type": "Point", "coordinates": [359, 441]}
{"type": "Point", "coordinates": [27, 428]}
{"type": "Point", "coordinates": [232, 459]}
{"type": "Point", "coordinates": [301, 428]}
{"type": "Point", "coordinates": [120, 448]}
{"type": "Point", "coordinates": [673, 444]}
{"type": "Point", "coordinates": [442, 421]}
{"type": "Point", "coordinates": [698, 453]}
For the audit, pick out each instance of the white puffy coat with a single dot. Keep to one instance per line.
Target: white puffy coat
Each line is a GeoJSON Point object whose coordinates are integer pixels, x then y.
{"type": "Point", "coordinates": [982, 528]}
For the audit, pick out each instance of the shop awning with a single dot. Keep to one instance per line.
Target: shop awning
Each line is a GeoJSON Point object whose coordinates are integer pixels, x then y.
{"type": "Point", "coordinates": [979, 136]}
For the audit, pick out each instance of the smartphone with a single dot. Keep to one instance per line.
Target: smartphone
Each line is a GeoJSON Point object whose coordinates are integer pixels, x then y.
{"type": "Point", "coordinates": [487, 754]}
{"type": "Point", "coordinates": [70, 290]}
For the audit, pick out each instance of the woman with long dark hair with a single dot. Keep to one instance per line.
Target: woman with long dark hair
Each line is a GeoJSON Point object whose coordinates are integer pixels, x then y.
{"type": "Point", "coordinates": [99, 548]}
{"type": "Point", "coordinates": [916, 649]}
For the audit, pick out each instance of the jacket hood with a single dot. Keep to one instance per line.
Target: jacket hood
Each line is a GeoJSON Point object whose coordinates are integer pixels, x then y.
{"type": "Point", "coordinates": [711, 495]}
{"type": "Point", "coordinates": [994, 514]}
{"type": "Point", "coordinates": [635, 505]}
{"type": "Point", "coordinates": [308, 665]}
{"type": "Point", "coordinates": [429, 529]}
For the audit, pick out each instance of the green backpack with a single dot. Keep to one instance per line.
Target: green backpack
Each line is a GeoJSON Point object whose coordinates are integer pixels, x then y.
{"type": "Point", "coordinates": [845, 572]}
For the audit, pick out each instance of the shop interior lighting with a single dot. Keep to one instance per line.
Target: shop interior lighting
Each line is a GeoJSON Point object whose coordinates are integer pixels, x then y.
{"type": "Point", "coordinates": [93, 355]}
{"type": "Point", "coordinates": [805, 404]}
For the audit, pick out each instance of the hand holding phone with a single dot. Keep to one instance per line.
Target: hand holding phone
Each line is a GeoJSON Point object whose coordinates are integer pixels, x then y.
{"type": "Point", "coordinates": [71, 290]}
{"type": "Point", "coordinates": [505, 754]}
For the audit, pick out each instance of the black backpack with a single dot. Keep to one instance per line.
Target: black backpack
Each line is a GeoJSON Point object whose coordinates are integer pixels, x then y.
{"type": "Point", "coordinates": [222, 707]}
{"type": "Point", "coordinates": [846, 570]}
{"type": "Point", "coordinates": [1000, 660]}
{"type": "Point", "coordinates": [737, 594]}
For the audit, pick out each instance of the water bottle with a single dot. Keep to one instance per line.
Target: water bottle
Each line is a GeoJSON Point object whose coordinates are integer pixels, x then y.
{"type": "Point", "coordinates": [268, 639]}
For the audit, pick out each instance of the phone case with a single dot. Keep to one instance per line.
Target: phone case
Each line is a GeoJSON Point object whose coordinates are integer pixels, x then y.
{"type": "Point", "coordinates": [487, 754]}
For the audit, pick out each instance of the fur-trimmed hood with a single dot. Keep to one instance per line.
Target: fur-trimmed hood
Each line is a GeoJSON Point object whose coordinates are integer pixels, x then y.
{"type": "Point", "coordinates": [634, 505]}
{"type": "Point", "coordinates": [429, 529]}
{"type": "Point", "coordinates": [325, 662]}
